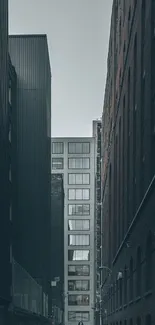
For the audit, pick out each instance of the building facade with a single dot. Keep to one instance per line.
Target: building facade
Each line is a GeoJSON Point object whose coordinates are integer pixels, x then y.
{"type": "Point", "coordinates": [57, 250]}
{"type": "Point", "coordinates": [74, 158]}
{"type": "Point", "coordinates": [128, 168]}
{"type": "Point", "coordinates": [31, 212]}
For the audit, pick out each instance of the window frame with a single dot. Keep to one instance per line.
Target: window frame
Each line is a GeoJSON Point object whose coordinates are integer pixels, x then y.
{"type": "Point", "coordinates": [80, 287]}
{"type": "Point", "coordinates": [60, 152]}
{"type": "Point", "coordinates": [81, 304]}
{"type": "Point", "coordinates": [69, 183]}
{"type": "Point", "coordinates": [70, 319]}
{"type": "Point", "coordinates": [79, 266]}
{"type": "Point", "coordinates": [58, 158]}
{"type": "Point", "coordinates": [77, 220]}
{"type": "Point", "coordinates": [79, 250]}
{"type": "Point", "coordinates": [77, 241]}
{"type": "Point", "coordinates": [82, 147]}
{"type": "Point", "coordinates": [76, 158]}
{"type": "Point", "coordinates": [78, 214]}
{"type": "Point", "coordinates": [82, 191]}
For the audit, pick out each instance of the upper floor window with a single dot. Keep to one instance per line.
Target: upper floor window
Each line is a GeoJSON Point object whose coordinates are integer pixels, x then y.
{"type": "Point", "coordinates": [78, 163]}
{"type": "Point", "coordinates": [78, 225]}
{"type": "Point", "coordinates": [79, 209]}
{"type": "Point", "coordinates": [57, 163]}
{"type": "Point", "coordinates": [79, 194]}
{"type": "Point", "coordinates": [78, 316]}
{"type": "Point", "coordinates": [79, 179]}
{"type": "Point", "coordinates": [78, 300]}
{"type": "Point", "coordinates": [79, 147]}
{"type": "Point", "coordinates": [78, 270]}
{"type": "Point", "coordinates": [78, 255]}
{"type": "Point", "coordinates": [78, 240]}
{"type": "Point", "coordinates": [57, 147]}
{"type": "Point", "coordinates": [78, 285]}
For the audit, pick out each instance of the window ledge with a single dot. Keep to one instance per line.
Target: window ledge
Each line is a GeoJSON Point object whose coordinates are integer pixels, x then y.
{"type": "Point", "coordinates": [131, 302]}
{"type": "Point", "coordinates": [148, 293]}
{"type": "Point", "coordinates": [138, 298]}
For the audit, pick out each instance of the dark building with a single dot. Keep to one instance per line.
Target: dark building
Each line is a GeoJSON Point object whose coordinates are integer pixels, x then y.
{"type": "Point", "coordinates": [31, 212]}
{"type": "Point", "coordinates": [5, 190]}
{"type": "Point", "coordinates": [57, 260]}
{"type": "Point", "coordinates": [128, 169]}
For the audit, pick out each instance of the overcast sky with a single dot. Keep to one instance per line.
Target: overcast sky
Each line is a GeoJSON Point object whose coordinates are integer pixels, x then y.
{"type": "Point", "coordinates": [78, 35]}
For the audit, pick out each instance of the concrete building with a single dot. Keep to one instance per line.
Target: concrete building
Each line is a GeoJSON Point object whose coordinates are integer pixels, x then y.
{"type": "Point", "coordinates": [128, 168]}
{"type": "Point", "coordinates": [74, 158]}
{"type": "Point", "coordinates": [31, 212]}
{"type": "Point", "coordinates": [57, 250]}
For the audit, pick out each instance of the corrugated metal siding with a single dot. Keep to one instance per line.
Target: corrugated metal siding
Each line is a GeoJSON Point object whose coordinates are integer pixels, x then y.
{"type": "Point", "coordinates": [5, 267]}
{"type": "Point", "coordinates": [29, 56]}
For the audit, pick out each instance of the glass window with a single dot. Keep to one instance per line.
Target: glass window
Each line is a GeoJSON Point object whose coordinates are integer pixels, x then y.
{"type": "Point", "coordinates": [78, 270]}
{"type": "Point", "coordinates": [78, 255]}
{"type": "Point", "coordinates": [78, 163]}
{"type": "Point", "coordinates": [78, 316]}
{"type": "Point", "coordinates": [78, 224]}
{"type": "Point", "coordinates": [79, 209]}
{"type": "Point", "coordinates": [79, 240]}
{"type": "Point", "coordinates": [57, 147]}
{"type": "Point", "coordinates": [79, 179]}
{"type": "Point", "coordinates": [78, 300]}
{"type": "Point", "coordinates": [79, 147]}
{"type": "Point", "coordinates": [78, 285]}
{"type": "Point", "coordinates": [57, 163]}
{"type": "Point", "coordinates": [79, 194]}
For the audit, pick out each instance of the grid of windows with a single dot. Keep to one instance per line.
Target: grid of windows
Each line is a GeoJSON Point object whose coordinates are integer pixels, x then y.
{"type": "Point", "coordinates": [79, 179]}
{"type": "Point", "coordinates": [78, 300]}
{"type": "Point", "coordinates": [78, 255]}
{"type": "Point", "coordinates": [57, 163]}
{"type": "Point", "coordinates": [79, 194]}
{"type": "Point", "coordinates": [78, 285]}
{"type": "Point", "coordinates": [78, 270]}
{"type": "Point", "coordinates": [78, 316]}
{"type": "Point", "coordinates": [78, 163]}
{"type": "Point", "coordinates": [57, 147]}
{"type": "Point", "coordinates": [79, 209]}
{"type": "Point", "coordinates": [78, 240]}
{"type": "Point", "coordinates": [78, 224]}
{"type": "Point", "coordinates": [79, 147]}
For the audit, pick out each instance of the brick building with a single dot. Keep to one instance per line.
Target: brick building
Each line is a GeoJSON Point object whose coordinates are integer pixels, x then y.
{"type": "Point", "coordinates": [128, 167]}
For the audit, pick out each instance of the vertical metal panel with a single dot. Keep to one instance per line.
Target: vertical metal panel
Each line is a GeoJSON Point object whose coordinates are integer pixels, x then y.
{"type": "Point", "coordinates": [29, 55]}
{"type": "Point", "coordinates": [5, 267]}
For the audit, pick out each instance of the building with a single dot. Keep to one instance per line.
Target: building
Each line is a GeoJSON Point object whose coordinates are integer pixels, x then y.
{"type": "Point", "coordinates": [31, 212]}
{"type": "Point", "coordinates": [97, 132]}
{"type": "Point", "coordinates": [74, 158]}
{"type": "Point", "coordinates": [128, 168]}
{"type": "Point", "coordinates": [5, 228]}
{"type": "Point", "coordinates": [57, 261]}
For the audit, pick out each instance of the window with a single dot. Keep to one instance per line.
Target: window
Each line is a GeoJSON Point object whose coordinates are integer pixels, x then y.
{"type": "Point", "coordinates": [78, 300]}
{"type": "Point", "coordinates": [78, 255]}
{"type": "Point", "coordinates": [131, 279]}
{"type": "Point", "coordinates": [139, 272]}
{"type": "Point", "coordinates": [57, 147]}
{"type": "Point", "coordinates": [78, 163]}
{"type": "Point", "coordinates": [148, 274]}
{"type": "Point", "coordinates": [78, 285]}
{"type": "Point", "coordinates": [78, 240]}
{"type": "Point", "coordinates": [79, 209]}
{"type": "Point", "coordinates": [79, 179]}
{"type": "Point", "coordinates": [78, 316]}
{"type": "Point", "coordinates": [78, 225]}
{"type": "Point", "coordinates": [57, 163]}
{"type": "Point", "coordinates": [79, 194]}
{"type": "Point", "coordinates": [81, 148]}
{"type": "Point", "coordinates": [78, 270]}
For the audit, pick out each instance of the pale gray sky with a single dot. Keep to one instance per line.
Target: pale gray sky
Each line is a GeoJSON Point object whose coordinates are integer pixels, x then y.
{"type": "Point", "coordinates": [78, 35]}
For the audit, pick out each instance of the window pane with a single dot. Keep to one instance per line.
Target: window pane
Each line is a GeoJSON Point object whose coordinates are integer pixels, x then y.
{"type": "Point", "coordinates": [71, 163]}
{"type": "Point", "coordinates": [86, 147]}
{"type": "Point", "coordinates": [86, 209]}
{"type": "Point", "coordinates": [71, 194]}
{"type": "Point", "coordinates": [71, 147]}
{"type": "Point", "coordinates": [71, 225]}
{"type": "Point", "coordinates": [78, 225]}
{"type": "Point", "coordinates": [86, 180]}
{"type": "Point", "coordinates": [78, 163]}
{"type": "Point", "coordinates": [78, 240]}
{"type": "Point", "coordinates": [86, 225]}
{"type": "Point", "coordinates": [78, 255]}
{"type": "Point", "coordinates": [71, 179]}
{"type": "Point", "coordinates": [57, 147]}
{"type": "Point", "coordinates": [78, 316]}
{"type": "Point", "coordinates": [79, 209]}
{"type": "Point", "coordinates": [57, 163]}
{"type": "Point", "coordinates": [78, 285]}
{"type": "Point", "coordinates": [78, 300]}
{"type": "Point", "coordinates": [86, 163]}
{"type": "Point", "coordinates": [78, 179]}
{"type": "Point", "coordinates": [79, 194]}
{"type": "Point", "coordinates": [86, 194]}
